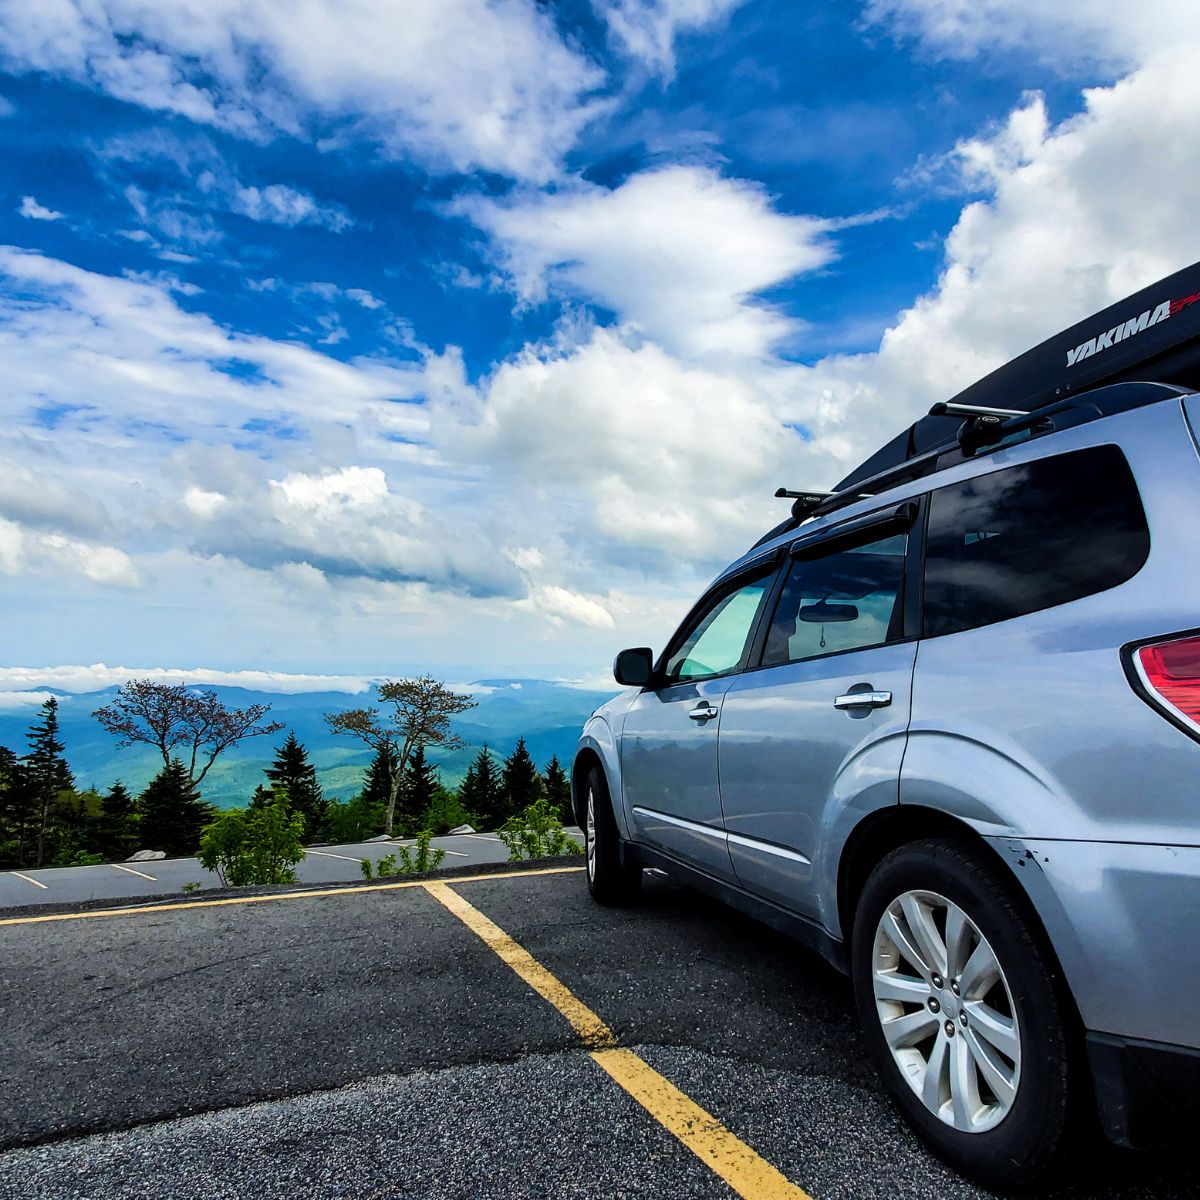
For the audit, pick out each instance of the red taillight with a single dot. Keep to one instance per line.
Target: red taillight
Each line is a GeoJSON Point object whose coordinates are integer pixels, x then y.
{"type": "Point", "coordinates": [1171, 672]}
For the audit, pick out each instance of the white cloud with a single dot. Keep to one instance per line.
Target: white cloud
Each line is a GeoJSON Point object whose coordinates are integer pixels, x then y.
{"type": "Point", "coordinates": [37, 212]}
{"type": "Point", "coordinates": [278, 204]}
{"type": "Point", "coordinates": [560, 604]}
{"type": "Point", "coordinates": [77, 335]}
{"type": "Point", "coordinates": [202, 503]}
{"type": "Point", "coordinates": [23, 550]}
{"type": "Point", "coordinates": [647, 29]}
{"type": "Point", "coordinates": [1109, 33]}
{"type": "Point", "coordinates": [460, 84]}
{"type": "Point", "coordinates": [10, 701]}
{"type": "Point", "coordinates": [631, 445]}
{"type": "Point", "coordinates": [135, 164]}
{"type": "Point", "coordinates": [678, 252]}
{"type": "Point", "coordinates": [94, 678]}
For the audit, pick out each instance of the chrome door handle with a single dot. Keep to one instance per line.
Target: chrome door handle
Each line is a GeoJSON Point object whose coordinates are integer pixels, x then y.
{"type": "Point", "coordinates": [704, 712]}
{"type": "Point", "coordinates": [863, 700]}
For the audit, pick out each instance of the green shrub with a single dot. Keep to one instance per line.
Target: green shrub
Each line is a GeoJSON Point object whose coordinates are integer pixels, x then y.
{"type": "Point", "coordinates": [262, 846]}
{"type": "Point", "coordinates": [408, 860]}
{"type": "Point", "coordinates": [81, 858]}
{"type": "Point", "coordinates": [445, 812]}
{"type": "Point", "coordinates": [536, 832]}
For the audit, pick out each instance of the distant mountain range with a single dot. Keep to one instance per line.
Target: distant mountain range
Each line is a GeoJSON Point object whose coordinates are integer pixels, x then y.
{"type": "Point", "coordinates": [549, 716]}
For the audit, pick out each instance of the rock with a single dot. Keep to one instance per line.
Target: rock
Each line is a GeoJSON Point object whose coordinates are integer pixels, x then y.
{"type": "Point", "coordinates": [147, 856]}
{"type": "Point", "coordinates": [463, 829]}
{"type": "Point", "coordinates": [383, 837]}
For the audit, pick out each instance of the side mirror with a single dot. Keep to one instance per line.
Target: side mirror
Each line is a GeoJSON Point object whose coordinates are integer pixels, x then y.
{"type": "Point", "coordinates": [633, 668]}
{"type": "Point", "coordinates": [823, 612]}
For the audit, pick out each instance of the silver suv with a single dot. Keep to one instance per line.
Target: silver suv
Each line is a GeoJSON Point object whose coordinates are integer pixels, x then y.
{"type": "Point", "coordinates": [941, 726]}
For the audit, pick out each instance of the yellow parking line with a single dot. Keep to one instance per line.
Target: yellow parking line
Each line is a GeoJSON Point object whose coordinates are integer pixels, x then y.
{"type": "Point", "coordinates": [746, 1172]}
{"type": "Point", "coordinates": [592, 1031]}
{"type": "Point", "coordinates": [29, 879]}
{"type": "Point", "coordinates": [131, 871]}
{"type": "Point", "coordinates": [145, 910]}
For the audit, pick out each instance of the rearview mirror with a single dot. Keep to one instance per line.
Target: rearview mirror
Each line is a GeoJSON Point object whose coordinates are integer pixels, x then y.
{"type": "Point", "coordinates": [633, 668]}
{"type": "Point", "coordinates": [825, 613]}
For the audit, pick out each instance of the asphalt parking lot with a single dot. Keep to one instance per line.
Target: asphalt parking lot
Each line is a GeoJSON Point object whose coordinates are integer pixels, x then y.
{"type": "Point", "coordinates": [321, 864]}
{"type": "Point", "coordinates": [489, 1035]}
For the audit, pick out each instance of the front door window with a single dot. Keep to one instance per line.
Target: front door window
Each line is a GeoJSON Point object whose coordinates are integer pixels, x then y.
{"type": "Point", "coordinates": [716, 642]}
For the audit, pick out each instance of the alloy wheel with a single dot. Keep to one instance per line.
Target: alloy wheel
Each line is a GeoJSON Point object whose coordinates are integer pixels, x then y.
{"type": "Point", "coordinates": [589, 834]}
{"type": "Point", "coordinates": [946, 1011]}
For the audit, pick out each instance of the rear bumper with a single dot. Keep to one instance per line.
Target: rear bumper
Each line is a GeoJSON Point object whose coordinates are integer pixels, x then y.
{"type": "Point", "coordinates": [1148, 1093]}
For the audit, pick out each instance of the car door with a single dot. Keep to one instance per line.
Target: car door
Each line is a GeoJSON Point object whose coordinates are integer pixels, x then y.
{"type": "Point", "coordinates": [669, 736]}
{"type": "Point", "coordinates": [822, 721]}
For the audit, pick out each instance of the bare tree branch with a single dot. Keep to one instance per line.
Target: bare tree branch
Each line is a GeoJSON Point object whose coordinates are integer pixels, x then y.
{"type": "Point", "coordinates": [410, 713]}
{"type": "Point", "coordinates": [167, 716]}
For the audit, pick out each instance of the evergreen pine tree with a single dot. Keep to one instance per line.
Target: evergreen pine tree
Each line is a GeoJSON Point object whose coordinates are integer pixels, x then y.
{"type": "Point", "coordinates": [15, 810]}
{"type": "Point", "coordinates": [522, 784]}
{"type": "Point", "coordinates": [557, 789]}
{"type": "Point", "coordinates": [480, 793]}
{"type": "Point", "coordinates": [365, 814]}
{"type": "Point", "coordinates": [293, 771]}
{"type": "Point", "coordinates": [46, 772]}
{"type": "Point", "coordinates": [116, 830]}
{"type": "Point", "coordinates": [379, 775]}
{"type": "Point", "coordinates": [172, 813]}
{"type": "Point", "coordinates": [418, 789]}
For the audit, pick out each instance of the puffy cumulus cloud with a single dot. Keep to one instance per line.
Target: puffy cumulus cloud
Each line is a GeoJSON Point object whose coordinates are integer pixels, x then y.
{"type": "Point", "coordinates": [1107, 32]}
{"type": "Point", "coordinates": [37, 212]}
{"type": "Point", "coordinates": [558, 605]}
{"type": "Point", "coordinates": [647, 29]}
{"type": "Point", "coordinates": [460, 84]}
{"type": "Point", "coordinates": [679, 252]}
{"type": "Point", "coordinates": [1076, 216]}
{"type": "Point", "coordinates": [1071, 218]}
{"type": "Point", "coordinates": [640, 450]}
{"type": "Point", "coordinates": [97, 677]}
{"type": "Point", "coordinates": [26, 550]}
{"type": "Point", "coordinates": [346, 523]}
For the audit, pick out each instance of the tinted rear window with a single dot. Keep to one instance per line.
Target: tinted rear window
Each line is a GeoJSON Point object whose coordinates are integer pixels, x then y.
{"type": "Point", "coordinates": [1031, 537]}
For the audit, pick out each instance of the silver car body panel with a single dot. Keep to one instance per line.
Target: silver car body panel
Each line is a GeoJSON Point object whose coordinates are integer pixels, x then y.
{"type": "Point", "coordinates": [1027, 730]}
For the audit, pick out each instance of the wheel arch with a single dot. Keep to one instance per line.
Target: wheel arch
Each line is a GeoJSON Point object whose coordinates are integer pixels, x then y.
{"type": "Point", "coordinates": [885, 830]}
{"type": "Point", "coordinates": [585, 759]}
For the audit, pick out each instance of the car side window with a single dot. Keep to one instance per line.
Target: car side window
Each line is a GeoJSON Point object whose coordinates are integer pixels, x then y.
{"type": "Point", "coordinates": [715, 643]}
{"type": "Point", "coordinates": [847, 600]}
{"type": "Point", "coordinates": [1030, 537]}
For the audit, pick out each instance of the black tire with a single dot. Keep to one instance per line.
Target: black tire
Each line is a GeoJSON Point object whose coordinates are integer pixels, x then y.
{"type": "Point", "coordinates": [1028, 1139]}
{"type": "Point", "coordinates": [611, 879]}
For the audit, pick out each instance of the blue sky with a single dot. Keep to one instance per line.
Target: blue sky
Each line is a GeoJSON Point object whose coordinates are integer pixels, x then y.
{"type": "Point", "coordinates": [474, 336]}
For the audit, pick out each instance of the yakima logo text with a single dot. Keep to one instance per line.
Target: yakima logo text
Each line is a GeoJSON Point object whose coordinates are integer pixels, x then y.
{"type": "Point", "coordinates": [1118, 333]}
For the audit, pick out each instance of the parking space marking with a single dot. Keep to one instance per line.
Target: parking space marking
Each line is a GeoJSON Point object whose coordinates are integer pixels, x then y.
{"type": "Point", "coordinates": [316, 894]}
{"type": "Point", "coordinates": [29, 879]}
{"type": "Point", "coordinates": [326, 854]}
{"type": "Point", "coordinates": [131, 871]}
{"type": "Point", "coordinates": [746, 1172]}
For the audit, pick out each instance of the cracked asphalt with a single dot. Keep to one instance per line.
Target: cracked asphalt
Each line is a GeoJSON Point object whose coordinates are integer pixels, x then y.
{"type": "Point", "coordinates": [368, 1044]}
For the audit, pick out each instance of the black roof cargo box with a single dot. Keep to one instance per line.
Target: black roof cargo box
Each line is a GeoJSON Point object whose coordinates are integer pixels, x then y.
{"type": "Point", "coordinates": [1153, 335]}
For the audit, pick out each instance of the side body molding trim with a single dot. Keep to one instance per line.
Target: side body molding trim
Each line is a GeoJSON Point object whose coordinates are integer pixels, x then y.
{"type": "Point", "coordinates": [719, 835]}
